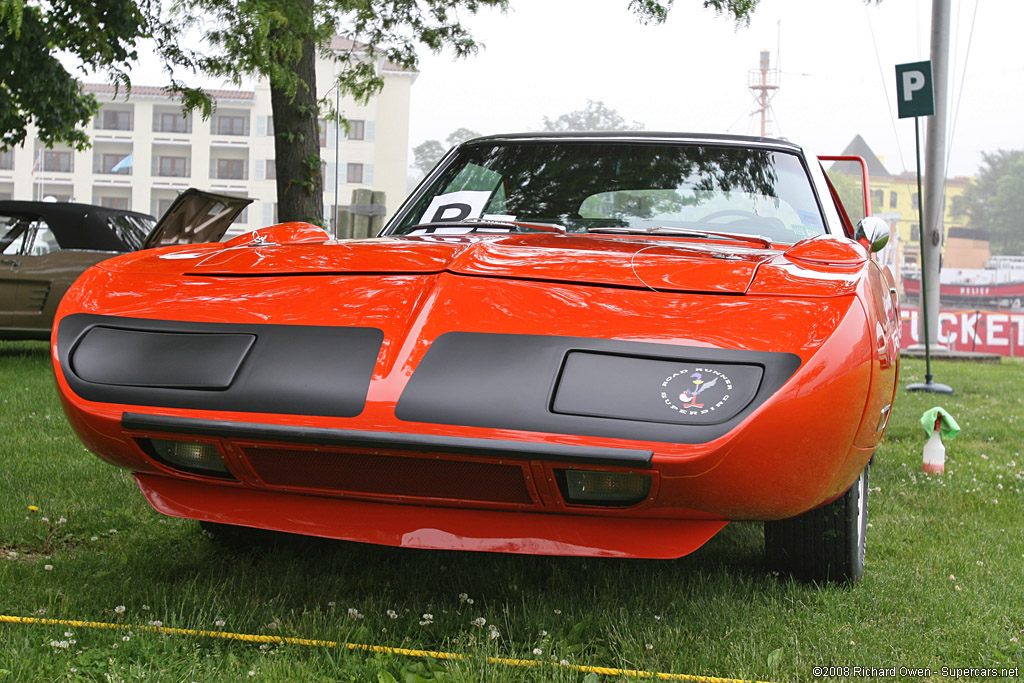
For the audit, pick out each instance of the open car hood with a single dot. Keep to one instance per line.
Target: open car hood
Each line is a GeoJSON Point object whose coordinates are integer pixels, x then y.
{"type": "Point", "coordinates": [196, 216]}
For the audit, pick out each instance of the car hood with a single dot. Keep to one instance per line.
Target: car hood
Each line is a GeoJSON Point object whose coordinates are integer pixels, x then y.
{"type": "Point", "coordinates": [194, 217]}
{"type": "Point", "coordinates": [659, 265]}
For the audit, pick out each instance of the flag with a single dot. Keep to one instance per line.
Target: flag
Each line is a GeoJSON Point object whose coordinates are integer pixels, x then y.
{"type": "Point", "coordinates": [39, 160]}
{"type": "Point", "coordinates": [124, 163]}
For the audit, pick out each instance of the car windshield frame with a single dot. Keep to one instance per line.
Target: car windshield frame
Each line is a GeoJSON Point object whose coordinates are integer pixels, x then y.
{"type": "Point", "coordinates": [617, 186]}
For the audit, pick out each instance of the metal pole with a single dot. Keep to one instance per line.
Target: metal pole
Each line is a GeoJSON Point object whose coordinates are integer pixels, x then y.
{"type": "Point", "coordinates": [935, 161]}
{"type": "Point", "coordinates": [935, 175]}
{"type": "Point", "coordinates": [927, 385]}
{"type": "Point", "coordinates": [337, 152]}
{"type": "Point", "coordinates": [924, 260]}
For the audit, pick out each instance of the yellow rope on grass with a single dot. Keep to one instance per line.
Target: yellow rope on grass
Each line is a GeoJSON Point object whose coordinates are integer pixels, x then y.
{"type": "Point", "coordinates": [382, 649]}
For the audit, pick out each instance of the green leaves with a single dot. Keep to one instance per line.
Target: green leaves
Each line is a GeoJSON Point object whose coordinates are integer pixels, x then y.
{"type": "Point", "coordinates": [36, 87]}
{"type": "Point", "coordinates": [994, 201]}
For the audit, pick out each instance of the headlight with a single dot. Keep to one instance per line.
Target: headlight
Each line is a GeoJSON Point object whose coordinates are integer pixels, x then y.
{"type": "Point", "coordinates": [190, 456]}
{"type": "Point", "coordinates": [595, 487]}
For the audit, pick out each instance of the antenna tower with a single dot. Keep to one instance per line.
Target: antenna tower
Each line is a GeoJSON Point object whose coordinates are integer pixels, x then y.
{"type": "Point", "coordinates": [763, 83]}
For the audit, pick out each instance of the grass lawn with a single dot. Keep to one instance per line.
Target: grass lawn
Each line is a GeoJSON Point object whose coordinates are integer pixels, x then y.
{"type": "Point", "coordinates": [942, 585]}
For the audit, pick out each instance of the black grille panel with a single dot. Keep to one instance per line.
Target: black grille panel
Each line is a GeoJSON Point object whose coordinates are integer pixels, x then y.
{"type": "Point", "coordinates": [390, 475]}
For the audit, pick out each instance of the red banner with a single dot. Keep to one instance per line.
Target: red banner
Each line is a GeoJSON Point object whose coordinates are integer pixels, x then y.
{"type": "Point", "coordinates": [981, 331]}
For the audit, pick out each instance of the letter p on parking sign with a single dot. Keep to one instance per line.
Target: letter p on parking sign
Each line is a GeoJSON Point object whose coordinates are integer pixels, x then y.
{"type": "Point", "coordinates": [914, 89]}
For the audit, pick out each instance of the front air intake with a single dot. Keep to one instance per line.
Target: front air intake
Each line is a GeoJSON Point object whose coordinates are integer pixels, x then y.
{"type": "Point", "coordinates": [396, 476]}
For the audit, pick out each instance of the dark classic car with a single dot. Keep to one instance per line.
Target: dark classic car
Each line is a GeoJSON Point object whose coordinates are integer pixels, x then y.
{"type": "Point", "coordinates": [603, 344]}
{"type": "Point", "coordinates": [44, 246]}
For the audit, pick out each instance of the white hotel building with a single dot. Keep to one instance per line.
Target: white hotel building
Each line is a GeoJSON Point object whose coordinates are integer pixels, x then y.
{"type": "Point", "coordinates": [145, 151]}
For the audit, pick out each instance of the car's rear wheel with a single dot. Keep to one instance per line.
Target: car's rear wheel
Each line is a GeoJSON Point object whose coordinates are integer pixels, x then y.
{"type": "Point", "coordinates": [825, 544]}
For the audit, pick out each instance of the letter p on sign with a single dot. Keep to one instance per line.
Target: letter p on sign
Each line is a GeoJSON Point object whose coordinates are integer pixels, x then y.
{"type": "Point", "coordinates": [914, 89]}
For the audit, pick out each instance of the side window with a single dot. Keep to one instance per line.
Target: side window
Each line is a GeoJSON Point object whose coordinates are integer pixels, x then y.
{"type": "Point", "coordinates": [12, 234]}
{"type": "Point", "coordinates": [41, 240]}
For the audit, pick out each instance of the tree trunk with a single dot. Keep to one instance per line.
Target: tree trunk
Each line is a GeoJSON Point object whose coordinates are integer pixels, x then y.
{"type": "Point", "coordinates": [297, 144]}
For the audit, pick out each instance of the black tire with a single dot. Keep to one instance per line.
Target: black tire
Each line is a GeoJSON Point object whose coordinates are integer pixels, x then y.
{"type": "Point", "coordinates": [826, 544]}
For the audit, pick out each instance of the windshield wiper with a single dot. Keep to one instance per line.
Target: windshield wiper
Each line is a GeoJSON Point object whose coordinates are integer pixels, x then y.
{"type": "Point", "coordinates": [683, 232]}
{"type": "Point", "coordinates": [480, 223]}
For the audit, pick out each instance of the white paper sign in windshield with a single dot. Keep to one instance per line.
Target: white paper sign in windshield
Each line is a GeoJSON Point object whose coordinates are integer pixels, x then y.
{"type": "Point", "coordinates": [456, 206]}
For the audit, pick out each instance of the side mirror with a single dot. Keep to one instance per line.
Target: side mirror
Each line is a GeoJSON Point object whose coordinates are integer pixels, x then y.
{"type": "Point", "coordinates": [872, 233]}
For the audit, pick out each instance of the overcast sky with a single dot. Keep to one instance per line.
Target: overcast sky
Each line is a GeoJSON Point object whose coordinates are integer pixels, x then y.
{"type": "Point", "coordinates": [838, 57]}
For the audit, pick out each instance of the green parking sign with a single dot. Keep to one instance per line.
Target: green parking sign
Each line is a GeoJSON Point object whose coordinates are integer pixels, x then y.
{"type": "Point", "coordinates": [914, 93]}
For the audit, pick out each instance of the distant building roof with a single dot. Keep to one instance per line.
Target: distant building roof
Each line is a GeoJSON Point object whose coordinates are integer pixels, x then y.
{"type": "Point", "coordinates": [859, 148]}
{"type": "Point", "coordinates": [161, 91]}
{"type": "Point", "coordinates": [342, 44]}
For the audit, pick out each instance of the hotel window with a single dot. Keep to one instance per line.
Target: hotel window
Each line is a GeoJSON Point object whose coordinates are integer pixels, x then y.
{"type": "Point", "coordinates": [174, 167]}
{"type": "Point", "coordinates": [354, 173]}
{"type": "Point", "coordinates": [894, 200]}
{"type": "Point", "coordinates": [231, 125]}
{"type": "Point", "coordinates": [356, 130]}
{"type": "Point", "coordinates": [57, 161]}
{"type": "Point", "coordinates": [113, 119]}
{"type": "Point", "coordinates": [115, 203]}
{"type": "Point", "coordinates": [109, 161]}
{"type": "Point", "coordinates": [271, 169]}
{"type": "Point", "coordinates": [230, 169]}
{"type": "Point", "coordinates": [173, 122]}
{"type": "Point", "coordinates": [321, 126]}
{"type": "Point", "coordinates": [7, 160]}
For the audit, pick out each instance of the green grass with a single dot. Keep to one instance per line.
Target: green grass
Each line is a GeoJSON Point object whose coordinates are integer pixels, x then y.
{"type": "Point", "coordinates": [941, 588]}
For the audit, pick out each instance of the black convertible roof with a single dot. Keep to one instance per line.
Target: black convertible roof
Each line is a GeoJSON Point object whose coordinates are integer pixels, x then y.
{"type": "Point", "coordinates": [77, 226]}
{"type": "Point", "coordinates": [642, 136]}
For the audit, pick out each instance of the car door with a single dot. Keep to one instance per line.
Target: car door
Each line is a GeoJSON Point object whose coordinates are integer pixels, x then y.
{"type": "Point", "coordinates": [43, 272]}
{"type": "Point", "coordinates": [12, 237]}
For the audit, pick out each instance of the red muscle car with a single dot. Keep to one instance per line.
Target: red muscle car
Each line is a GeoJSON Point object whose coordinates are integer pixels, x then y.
{"type": "Point", "coordinates": [565, 344]}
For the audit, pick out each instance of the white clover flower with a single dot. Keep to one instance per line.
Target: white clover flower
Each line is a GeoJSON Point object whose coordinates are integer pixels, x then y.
{"type": "Point", "coordinates": [68, 634]}
{"type": "Point", "coordinates": [219, 622]}
{"type": "Point", "coordinates": [145, 608]}
{"type": "Point", "coordinates": [492, 632]}
{"type": "Point", "coordinates": [479, 622]}
{"type": "Point", "coordinates": [331, 603]}
{"type": "Point", "coordinates": [62, 520]}
{"type": "Point", "coordinates": [428, 619]}
{"type": "Point", "coordinates": [558, 611]}
{"type": "Point", "coordinates": [538, 651]}
{"type": "Point", "coordinates": [649, 646]}
{"type": "Point", "coordinates": [125, 638]}
{"type": "Point", "coordinates": [563, 662]}
{"type": "Point", "coordinates": [463, 597]}
{"type": "Point", "coordinates": [119, 609]}
{"type": "Point", "coordinates": [353, 613]}
{"type": "Point", "coordinates": [392, 613]}
{"type": "Point", "coordinates": [272, 626]}
{"type": "Point", "coordinates": [543, 634]}
{"type": "Point", "coordinates": [48, 567]}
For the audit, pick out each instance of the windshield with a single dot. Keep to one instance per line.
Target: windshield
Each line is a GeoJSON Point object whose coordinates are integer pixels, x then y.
{"type": "Point", "coordinates": [131, 229]}
{"type": "Point", "coordinates": [619, 187]}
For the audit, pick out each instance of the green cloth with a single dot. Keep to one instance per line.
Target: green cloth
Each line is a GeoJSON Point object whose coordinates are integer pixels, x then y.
{"type": "Point", "coordinates": [948, 428]}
